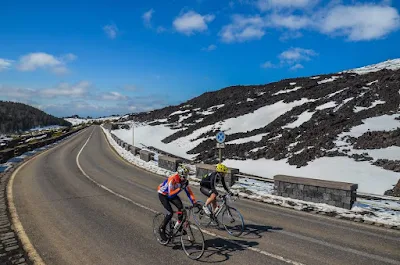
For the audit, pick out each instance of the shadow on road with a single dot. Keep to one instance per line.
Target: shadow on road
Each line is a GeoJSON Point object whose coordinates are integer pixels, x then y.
{"type": "Point", "coordinates": [255, 231]}
{"type": "Point", "coordinates": [220, 250]}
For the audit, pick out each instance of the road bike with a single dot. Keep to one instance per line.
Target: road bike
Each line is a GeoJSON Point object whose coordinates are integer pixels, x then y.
{"type": "Point", "coordinates": [231, 218]}
{"type": "Point", "coordinates": [191, 236]}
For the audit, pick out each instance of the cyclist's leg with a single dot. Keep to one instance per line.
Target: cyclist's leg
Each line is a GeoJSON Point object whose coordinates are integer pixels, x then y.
{"type": "Point", "coordinates": [211, 198]}
{"type": "Point", "coordinates": [178, 204]}
{"type": "Point", "coordinates": [165, 202]}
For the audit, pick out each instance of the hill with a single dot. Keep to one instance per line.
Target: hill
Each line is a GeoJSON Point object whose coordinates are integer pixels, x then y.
{"type": "Point", "coordinates": [17, 117]}
{"type": "Point", "coordinates": [344, 126]}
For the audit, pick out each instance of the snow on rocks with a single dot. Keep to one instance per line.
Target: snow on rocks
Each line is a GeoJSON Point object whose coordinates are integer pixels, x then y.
{"type": "Point", "coordinates": [328, 105]}
{"type": "Point", "coordinates": [263, 192]}
{"type": "Point", "coordinates": [287, 90]}
{"type": "Point", "coordinates": [304, 117]}
{"type": "Point", "coordinates": [389, 64]}
{"type": "Point", "coordinates": [373, 105]}
{"type": "Point", "coordinates": [328, 80]}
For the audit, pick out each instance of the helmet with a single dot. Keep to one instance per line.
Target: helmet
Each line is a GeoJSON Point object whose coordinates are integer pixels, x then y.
{"type": "Point", "coordinates": [183, 171]}
{"type": "Point", "coordinates": [221, 168]}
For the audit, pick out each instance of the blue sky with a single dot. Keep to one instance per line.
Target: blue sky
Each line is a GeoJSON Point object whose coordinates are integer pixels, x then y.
{"type": "Point", "coordinates": [114, 57]}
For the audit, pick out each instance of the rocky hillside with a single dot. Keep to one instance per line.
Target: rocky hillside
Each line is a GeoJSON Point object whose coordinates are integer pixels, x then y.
{"type": "Point", "coordinates": [16, 117]}
{"type": "Point", "coordinates": [352, 114]}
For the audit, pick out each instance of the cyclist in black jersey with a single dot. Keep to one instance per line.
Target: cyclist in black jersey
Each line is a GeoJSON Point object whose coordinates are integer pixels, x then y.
{"type": "Point", "coordinates": [208, 186]}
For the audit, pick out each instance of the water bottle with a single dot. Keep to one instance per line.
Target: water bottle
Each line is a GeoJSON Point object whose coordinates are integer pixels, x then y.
{"type": "Point", "coordinates": [177, 224]}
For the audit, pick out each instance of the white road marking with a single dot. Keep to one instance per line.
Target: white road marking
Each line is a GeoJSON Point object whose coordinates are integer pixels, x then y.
{"type": "Point", "coordinates": [265, 253]}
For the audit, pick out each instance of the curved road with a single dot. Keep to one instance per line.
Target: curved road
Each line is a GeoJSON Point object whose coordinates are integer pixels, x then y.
{"type": "Point", "coordinates": [71, 220]}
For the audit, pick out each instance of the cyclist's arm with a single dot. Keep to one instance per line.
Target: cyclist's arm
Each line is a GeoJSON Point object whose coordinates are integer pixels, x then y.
{"type": "Point", "coordinates": [190, 195]}
{"type": "Point", "coordinates": [224, 184]}
{"type": "Point", "coordinates": [172, 192]}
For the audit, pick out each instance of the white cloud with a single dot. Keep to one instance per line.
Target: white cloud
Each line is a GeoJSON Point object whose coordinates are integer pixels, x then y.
{"type": "Point", "coordinates": [265, 5]}
{"type": "Point", "coordinates": [296, 67]}
{"type": "Point", "coordinates": [243, 29]}
{"type": "Point", "coordinates": [79, 90]}
{"type": "Point", "coordinates": [290, 35]}
{"type": "Point", "coordinates": [190, 22]}
{"type": "Point", "coordinates": [147, 16]}
{"type": "Point", "coordinates": [267, 64]}
{"type": "Point", "coordinates": [294, 55]}
{"type": "Point", "coordinates": [111, 30]}
{"type": "Point", "coordinates": [360, 22]}
{"type": "Point", "coordinates": [41, 60]}
{"type": "Point", "coordinates": [15, 93]}
{"type": "Point", "coordinates": [290, 21]}
{"type": "Point", "coordinates": [210, 48]}
{"type": "Point", "coordinates": [161, 29]}
{"type": "Point", "coordinates": [33, 61]}
{"type": "Point", "coordinates": [113, 96]}
{"type": "Point", "coordinates": [5, 64]}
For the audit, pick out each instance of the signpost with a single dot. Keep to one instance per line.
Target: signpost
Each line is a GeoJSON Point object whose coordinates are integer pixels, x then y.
{"type": "Point", "coordinates": [220, 137]}
{"type": "Point", "coordinates": [133, 133]}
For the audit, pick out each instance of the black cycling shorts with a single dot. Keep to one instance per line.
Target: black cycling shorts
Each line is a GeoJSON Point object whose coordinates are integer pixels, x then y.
{"type": "Point", "coordinates": [207, 191]}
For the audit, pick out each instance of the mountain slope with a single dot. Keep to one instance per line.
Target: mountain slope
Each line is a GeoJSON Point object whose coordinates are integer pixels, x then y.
{"type": "Point", "coordinates": [16, 117]}
{"type": "Point", "coordinates": [349, 116]}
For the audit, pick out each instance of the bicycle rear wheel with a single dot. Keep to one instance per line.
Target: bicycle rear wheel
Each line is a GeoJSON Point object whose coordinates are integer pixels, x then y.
{"type": "Point", "coordinates": [157, 221]}
{"type": "Point", "coordinates": [200, 217]}
{"type": "Point", "coordinates": [233, 221]}
{"type": "Point", "coordinates": [192, 240]}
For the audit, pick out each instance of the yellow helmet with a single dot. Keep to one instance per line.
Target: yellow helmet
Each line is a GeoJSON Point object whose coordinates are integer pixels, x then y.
{"type": "Point", "coordinates": [222, 168]}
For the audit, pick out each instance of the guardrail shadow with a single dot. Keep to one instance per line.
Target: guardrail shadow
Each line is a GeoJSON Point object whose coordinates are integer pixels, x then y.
{"type": "Point", "coordinates": [252, 231]}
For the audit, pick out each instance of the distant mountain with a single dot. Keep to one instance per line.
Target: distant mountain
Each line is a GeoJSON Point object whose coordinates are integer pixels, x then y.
{"type": "Point", "coordinates": [17, 117]}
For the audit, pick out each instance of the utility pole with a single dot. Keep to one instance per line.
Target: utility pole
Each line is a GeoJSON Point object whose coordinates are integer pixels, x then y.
{"type": "Point", "coordinates": [133, 133]}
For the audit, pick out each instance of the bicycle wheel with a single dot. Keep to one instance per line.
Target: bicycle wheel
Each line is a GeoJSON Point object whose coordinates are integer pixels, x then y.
{"type": "Point", "coordinates": [233, 221]}
{"type": "Point", "coordinates": [200, 217]}
{"type": "Point", "coordinates": [192, 240]}
{"type": "Point", "coordinates": [157, 221]}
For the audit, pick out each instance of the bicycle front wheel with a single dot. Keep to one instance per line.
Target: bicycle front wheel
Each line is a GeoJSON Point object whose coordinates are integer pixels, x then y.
{"type": "Point", "coordinates": [233, 221]}
{"type": "Point", "coordinates": [200, 217]}
{"type": "Point", "coordinates": [192, 240]}
{"type": "Point", "coordinates": [157, 221]}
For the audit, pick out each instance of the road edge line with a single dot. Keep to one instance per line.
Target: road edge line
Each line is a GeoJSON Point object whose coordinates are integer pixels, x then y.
{"type": "Point", "coordinates": [27, 245]}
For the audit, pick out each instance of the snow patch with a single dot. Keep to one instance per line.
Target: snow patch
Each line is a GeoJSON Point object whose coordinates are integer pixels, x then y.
{"type": "Point", "coordinates": [328, 80]}
{"type": "Point", "coordinates": [374, 104]}
{"type": "Point", "coordinates": [315, 77]}
{"type": "Point", "coordinates": [287, 91]}
{"type": "Point", "coordinates": [373, 82]}
{"type": "Point", "coordinates": [328, 105]}
{"type": "Point", "coordinates": [389, 64]}
{"type": "Point", "coordinates": [304, 117]}
{"type": "Point", "coordinates": [250, 99]}
{"type": "Point", "coordinates": [337, 92]}
{"type": "Point", "coordinates": [343, 103]}
{"type": "Point", "coordinates": [292, 84]}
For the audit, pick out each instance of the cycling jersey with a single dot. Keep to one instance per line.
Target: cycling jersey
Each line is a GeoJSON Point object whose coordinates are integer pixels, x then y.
{"type": "Point", "coordinates": [173, 185]}
{"type": "Point", "coordinates": [210, 181]}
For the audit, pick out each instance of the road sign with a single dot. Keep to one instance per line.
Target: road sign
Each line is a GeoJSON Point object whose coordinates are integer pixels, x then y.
{"type": "Point", "coordinates": [220, 146]}
{"type": "Point", "coordinates": [220, 137]}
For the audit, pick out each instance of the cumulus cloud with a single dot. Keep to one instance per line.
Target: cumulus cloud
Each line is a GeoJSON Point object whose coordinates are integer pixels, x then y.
{"type": "Point", "coordinates": [190, 22]}
{"type": "Point", "coordinates": [111, 30]}
{"type": "Point", "coordinates": [5, 64]}
{"type": "Point", "coordinates": [292, 22]}
{"type": "Point", "coordinates": [147, 16]}
{"type": "Point", "coordinates": [267, 65]}
{"type": "Point", "coordinates": [265, 5]}
{"type": "Point", "coordinates": [296, 67]}
{"type": "Point", "coordinates": [41, 60]}
{"type": "Point", "coordinates": [78, 90]}
{"type": "Point", "coordinates": [243, 28]}
{"type": "Point", "coordinates": [209, 48]}
{"type": "Point", "coordinates": [294, 55]}
{"type": "Point", "coordinates": [360, 22]}
{"type": "Point", "coordinates": [113, 96]}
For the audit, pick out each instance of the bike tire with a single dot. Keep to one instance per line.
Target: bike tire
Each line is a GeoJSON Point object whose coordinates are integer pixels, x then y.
{"type": "Point", "coordinates": [200, 216]}
{"type": "Point", "coordinates": [230, 214]}
{"type": "Point", "coordinates": [157, 221]}
{"type": "Point", "coordinates": [192, 241]}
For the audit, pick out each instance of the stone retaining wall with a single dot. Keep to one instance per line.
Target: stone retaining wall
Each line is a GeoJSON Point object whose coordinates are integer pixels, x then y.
{"type": "Point", "coordinates": [339, 194]}
{"type": "Point", "coordinates": [146, 155]}
{"type": "Point", "coordinates": [169, 163]}
{"type": "Point", "coordinates": [203, 169]}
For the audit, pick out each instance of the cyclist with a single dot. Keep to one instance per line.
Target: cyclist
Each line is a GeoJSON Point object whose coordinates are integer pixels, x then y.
{"type": "Point", "coordinates": [168, 192]}
{"type": "Point", "coordinates": [208, 186]}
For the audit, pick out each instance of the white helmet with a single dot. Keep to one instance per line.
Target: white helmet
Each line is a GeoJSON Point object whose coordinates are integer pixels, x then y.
{"type": "Point", "coordinates": [183, 171]}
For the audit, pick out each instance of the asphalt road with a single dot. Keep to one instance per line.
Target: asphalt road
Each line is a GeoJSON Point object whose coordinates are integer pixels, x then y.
{"type": "Point", "coordinates": [70, 219]}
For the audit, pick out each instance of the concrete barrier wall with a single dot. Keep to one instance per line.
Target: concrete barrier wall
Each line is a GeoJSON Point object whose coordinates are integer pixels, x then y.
{"type": "Point", "coordinates": [339, 194]}
{"type": "Point", "coordinates": [203, 169]}
{"type": "Point", "coordinates": [134, 150]}
{"type": "Point", "coordinates": [169, 163]}
{"type": "Point", "coordinates": [146, 155]}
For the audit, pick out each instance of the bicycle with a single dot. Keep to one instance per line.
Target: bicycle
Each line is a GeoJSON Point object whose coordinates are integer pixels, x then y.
{"type": "Point", "coordinates": [229, 216]}
{"type": "Point", "coordinates": [186, 230]}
